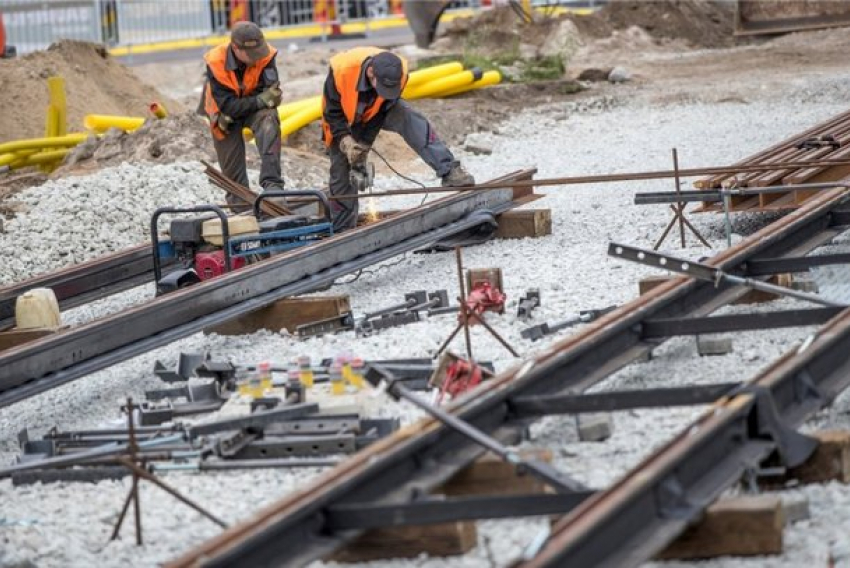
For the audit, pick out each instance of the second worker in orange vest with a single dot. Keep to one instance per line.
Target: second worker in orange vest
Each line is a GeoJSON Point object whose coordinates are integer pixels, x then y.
{"type": "Point", "coordinates": [362, 96]}
{"type": "Point", "coordinates": [243, 89]}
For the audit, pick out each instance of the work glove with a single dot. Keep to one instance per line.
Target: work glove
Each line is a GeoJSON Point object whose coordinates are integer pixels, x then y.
{"type": "Point", "coordinates": [355, 151]}
{"type": "Point", "coordinates": [223, 121]}
{"type": "Point", "coordinates": [271, 97]}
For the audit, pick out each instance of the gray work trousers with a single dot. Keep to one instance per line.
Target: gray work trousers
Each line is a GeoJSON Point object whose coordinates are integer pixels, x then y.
{"type": "Point", "coordinates": [265, 125]}
{"type": "Point", "coordinates": [417, 133]}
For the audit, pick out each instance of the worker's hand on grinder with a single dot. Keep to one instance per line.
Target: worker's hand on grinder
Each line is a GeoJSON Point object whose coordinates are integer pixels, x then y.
{"type": "Point", "coordinates": [355, 151]}
{"type": "Point", "coordinates": [271, 97]}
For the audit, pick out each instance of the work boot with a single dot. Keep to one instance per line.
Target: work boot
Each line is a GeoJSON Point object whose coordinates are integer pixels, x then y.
{"type": "Point", "coordinates": [458, 177]}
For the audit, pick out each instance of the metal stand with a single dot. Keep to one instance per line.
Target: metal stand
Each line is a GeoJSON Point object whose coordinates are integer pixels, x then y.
{"type": "Point", "coordinates": [679, 213]}
{"type": "Point", "coordinates": [140, 473]}
{"type": "Point", "coordinates": [465, 314]}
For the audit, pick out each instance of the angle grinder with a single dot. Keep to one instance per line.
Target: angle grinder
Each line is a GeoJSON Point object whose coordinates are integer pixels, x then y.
{"type": "Point", "coordinates": [361, 176]}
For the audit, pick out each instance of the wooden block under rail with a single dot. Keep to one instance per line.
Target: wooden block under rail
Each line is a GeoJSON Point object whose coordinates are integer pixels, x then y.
{"type": "Point", "coordinates": [490, 475]}
{"type": "Point", "coordinates": [445, 539]}
{"type": "Point", "coordinates": [521, 223]}
{"type": "Point", "coordinates": [751, 297]}
{"type": "Point", "coordinates": [287, 313]}
{"type": "Point", "coordinates": [739, 526]}
{"type": "Point", "coordinates": [829, 462]}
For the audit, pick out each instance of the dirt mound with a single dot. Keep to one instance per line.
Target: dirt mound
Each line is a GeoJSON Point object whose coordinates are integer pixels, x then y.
{"type": "Point", "coordinates": [94, 83]}
{"type": "Point", "coordinates": [495, 31]}
{"type": "Point", "coordinates": [701, 23]}
{"type": "Point", "coordinates": [178, 137]}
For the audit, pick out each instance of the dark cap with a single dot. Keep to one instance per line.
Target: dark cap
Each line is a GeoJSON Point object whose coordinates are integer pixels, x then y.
{"type": "Point", "coordinates": [248, 37]}
{"type": "Point", "coordinates": [388, 74]}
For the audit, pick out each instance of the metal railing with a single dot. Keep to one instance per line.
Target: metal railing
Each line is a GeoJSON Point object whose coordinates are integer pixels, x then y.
{"type": "Point", "coordinates": [35, 24]}
{"type": "Point", "coordinates": [32, 25]}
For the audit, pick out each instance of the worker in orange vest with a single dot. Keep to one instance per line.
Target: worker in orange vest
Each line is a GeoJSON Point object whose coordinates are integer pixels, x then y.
{"type": "Point", "coordinates": [362, 96]}
{"type": "Point", "coordinates": [243, 89]}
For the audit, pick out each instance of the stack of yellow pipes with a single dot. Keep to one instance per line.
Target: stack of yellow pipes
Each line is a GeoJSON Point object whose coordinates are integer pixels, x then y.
{"type": "Point", "coordinates": [439, 81]}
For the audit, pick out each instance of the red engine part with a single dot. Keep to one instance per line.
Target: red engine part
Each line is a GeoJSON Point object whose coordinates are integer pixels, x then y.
{"type": "Point", "coordinates": [461, 375]}
{"type": "Point", "coordinates": [484, 298]}
{"type": "Point", "coordinates": [211, 264]}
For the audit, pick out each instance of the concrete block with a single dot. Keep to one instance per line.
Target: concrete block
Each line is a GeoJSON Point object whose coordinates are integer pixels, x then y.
{"type": "Point", "coordinates": [795, 508]}
{"type": "Point", "coordinates": [713, 345]}
{"type": "Point", "coordinates": [594, 427]}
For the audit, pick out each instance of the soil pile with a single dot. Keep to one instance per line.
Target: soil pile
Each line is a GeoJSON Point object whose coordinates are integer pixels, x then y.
{"type": "Point", "coordinates": [94, 84]}
{"type": "Point", "coordinates": [700, 23]}
{"type": "Point", "coordinates": [177, 138]}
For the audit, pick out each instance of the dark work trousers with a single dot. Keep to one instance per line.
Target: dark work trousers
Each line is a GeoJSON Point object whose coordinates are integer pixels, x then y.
{"type": "Point", "coordinates": [265, 125]}
{"type": "Point", "coordinates": [417, 133]}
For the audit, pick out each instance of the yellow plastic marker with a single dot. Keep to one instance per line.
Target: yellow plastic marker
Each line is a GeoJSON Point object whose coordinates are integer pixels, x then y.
{"type": "Point", "coordinates": [305, 371]}
{"type": "Point", "coordinates": [252, 387]}
{"type": "Point", "coordinates": [337, 382]}
{"type": "Point", "coordinates": [355, 373]}
{"type": "Point", "coordinates": [264, 369]}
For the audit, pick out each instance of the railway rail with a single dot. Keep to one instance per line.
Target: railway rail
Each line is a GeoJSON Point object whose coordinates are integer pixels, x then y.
{"type": "Point", "coordinates": [388, 484]}
{"type": "Point", "coordinates": [46, 363]}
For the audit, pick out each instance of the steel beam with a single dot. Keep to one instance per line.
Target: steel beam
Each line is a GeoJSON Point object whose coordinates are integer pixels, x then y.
{"type": "Point", "coordinates": [49, 362]}
{"type": "Point", "coordinates": [535, 406]}
{"type": "Point", "coordinates": [440, 510]}
{"type": "Point", "coordinates": [85, 282]}
{"type": "Point", "coordinates": [765, 266]}
{"type": "Point", "coordinates": [669, 327]}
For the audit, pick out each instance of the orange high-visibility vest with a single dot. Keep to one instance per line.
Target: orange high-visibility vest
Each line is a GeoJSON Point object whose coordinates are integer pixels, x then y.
{"type": "Point", "coordinates": [346, 68]}
{"type": "Point", "coordinates": [216, 59]}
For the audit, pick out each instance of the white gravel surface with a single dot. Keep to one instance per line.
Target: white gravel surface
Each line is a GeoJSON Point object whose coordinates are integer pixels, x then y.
{"type": "Point", "coordinates": [68, 525]}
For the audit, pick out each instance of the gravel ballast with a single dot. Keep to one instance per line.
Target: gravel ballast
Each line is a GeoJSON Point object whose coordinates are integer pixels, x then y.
{"type": "Point", "coordinates": [69, 525]}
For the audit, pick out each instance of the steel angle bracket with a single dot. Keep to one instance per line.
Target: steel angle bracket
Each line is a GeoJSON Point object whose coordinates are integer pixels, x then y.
{"type": "Point", "coordinates": [709, 273]}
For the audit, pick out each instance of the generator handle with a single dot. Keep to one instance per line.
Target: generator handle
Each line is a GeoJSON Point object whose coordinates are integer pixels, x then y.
{"type": "Point", "coordinates": [225, 233]}
{"type": "Point", "coordinates": [319, 195]}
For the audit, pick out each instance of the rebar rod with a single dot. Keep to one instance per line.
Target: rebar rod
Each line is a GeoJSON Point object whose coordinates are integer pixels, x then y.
{"type": "Point", "coordinates": [601, 178]}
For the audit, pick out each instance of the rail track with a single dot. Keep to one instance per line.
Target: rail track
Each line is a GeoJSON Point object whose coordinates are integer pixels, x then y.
{"type": "Point", "coordinates": [46, 363]}
{"type": "Point", "coordinates": [388, 484]}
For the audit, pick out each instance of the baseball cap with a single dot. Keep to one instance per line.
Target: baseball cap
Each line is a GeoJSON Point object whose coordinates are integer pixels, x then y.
{"type": "Point", "coordinates": [249, 37]}
{"type": "Point", "coordinates": [388, 74]}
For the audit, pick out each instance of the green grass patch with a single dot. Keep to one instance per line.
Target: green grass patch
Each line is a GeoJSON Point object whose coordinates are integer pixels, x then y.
{"type": "Point", "coordinates": [543, 69]}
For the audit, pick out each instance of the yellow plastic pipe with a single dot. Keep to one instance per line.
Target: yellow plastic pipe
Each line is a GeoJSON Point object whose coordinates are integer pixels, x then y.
{"type": "Point", "coordinates": [38, 143]}
{"type": "Point", "coordinates": [158, 110]}
{"type": "Point", "coordinates": [448, 83]}
{"type": "Point", "coordinates": [289, 109]}
{"type": "Point", "coordinates": [489, 78]}
{"type": "Point", "coordinates": [57, 111]}
{"type": "Point", "coordinates": [422, 76]}
{"type": "Point", "coordinates": [301, 119]}
{"type": "Point", "coordinates": [101, 122]}
{"type": "Point", "coordinates": [40, 158]}
{"type": "Point", "coordinates": [12, 157]}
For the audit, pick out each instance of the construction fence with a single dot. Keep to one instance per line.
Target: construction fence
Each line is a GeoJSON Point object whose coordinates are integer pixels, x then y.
{"type": "Point", "coordinates": [35, 24]}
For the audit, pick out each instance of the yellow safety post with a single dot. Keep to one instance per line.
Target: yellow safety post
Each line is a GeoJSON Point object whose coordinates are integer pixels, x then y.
{"type": "Point", "coordinates": [489, 78]}
{"type": "Point", "coordinates": [100, 123]}
{"type": "Point", "coordinates": [57, 109]}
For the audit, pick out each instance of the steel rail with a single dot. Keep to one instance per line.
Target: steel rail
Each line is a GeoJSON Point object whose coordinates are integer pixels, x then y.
{"type": "Point", "coordinates": [295, 530]}
{"type": "Point", "coordinates": [57, 359]}
{"type": "Point", "coordinates": [602, 178]}
{"type": "Point", "coordinates": [84, 282]}
{"type": "Point", "coordinates": [640, 512]}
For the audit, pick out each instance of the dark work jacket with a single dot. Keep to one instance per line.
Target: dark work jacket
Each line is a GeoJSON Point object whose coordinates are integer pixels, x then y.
{"type": "Point", "coordinates": [233, 106]}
